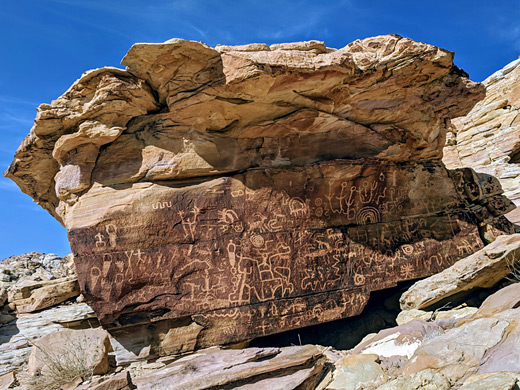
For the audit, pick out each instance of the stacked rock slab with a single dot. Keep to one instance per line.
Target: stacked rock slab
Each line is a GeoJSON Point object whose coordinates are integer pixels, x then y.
{"type": "Point", "coordinates": [224, 194]}
{"type": "Point", "coordinates": [487, 139]}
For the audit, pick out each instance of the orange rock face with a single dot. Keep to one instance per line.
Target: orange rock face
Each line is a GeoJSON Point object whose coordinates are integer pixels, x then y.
{"type": "Point", "coordinates": [235, 192]}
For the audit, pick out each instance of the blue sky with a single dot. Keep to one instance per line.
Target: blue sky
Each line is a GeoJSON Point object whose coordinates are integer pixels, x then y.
{"type": "Point", "coordinates": [47, 44]}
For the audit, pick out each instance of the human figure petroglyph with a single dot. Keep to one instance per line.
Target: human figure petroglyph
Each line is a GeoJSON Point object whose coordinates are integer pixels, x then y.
{"type": "Point", "coordinates": [189, 225]}
{"type": "Point", "coordinates": [100, 241]}
{"type": "Point", "coordinates": [111, 230]}
{"type": "Point", "coordinates": [368, 192]}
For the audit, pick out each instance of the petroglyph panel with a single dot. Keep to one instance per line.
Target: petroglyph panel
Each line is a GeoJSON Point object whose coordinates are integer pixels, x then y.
{"type": "Point", "coordinates": [272, 236]}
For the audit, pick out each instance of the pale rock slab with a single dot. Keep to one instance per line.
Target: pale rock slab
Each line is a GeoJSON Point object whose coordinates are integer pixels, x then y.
{"type": "Point", "coordinates": [495, 381]}
{"type": "Point", "coordinates": [355, 371]}
{"type": "Point", "coordinates": [423, 380]}
{"type": "Point", "coordinates": [458, 352]}
{"type": "Point", "coordinates": [484, 268]}
{"type": "Point", "coordinates": [406, 316]}
{"type": "Point", "coordinates": [30, 297]}
{"type": "Point", "coordinates": [251, 368]}
{"type": "Point", "coordinates": [7, 380]}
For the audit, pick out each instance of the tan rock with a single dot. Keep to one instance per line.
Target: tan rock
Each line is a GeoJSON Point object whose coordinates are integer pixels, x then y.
{"type": "Point", "coordinates": [7, 380]}
{"type": "Point", "coordinates": [495, 381]}
{"type": "Point", "coordinates": [402, 340]}
{"type": "Point", "coordinates": [416, 314]}
{"type": "Point", "coordinates": [481, 269]}
{"type": "Point", "coordinates": [45, 294]}
{"type": "Point", "coordinates": [250, 368]}
{"type": "Point", "coordinates": [504, 299]}
{"type": "Point", "coordinates": [81, 350]}
{"type": "Point", "coordinates": [120, 381]}
{"type": "Point", "coordinates": [504, 356]}
{"type": "Point", "coordinates": [458, 352]}
{"type": "Point", "coordinates": [355, 371]}
{"type": "Point", "coordinates": [423, 380]}
{"type": "Point", "coordinates": [486, 139]}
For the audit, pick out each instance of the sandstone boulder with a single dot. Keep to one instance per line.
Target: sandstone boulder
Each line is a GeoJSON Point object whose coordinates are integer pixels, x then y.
{"type": "Point", "coordinates": [240, 192]}
{"type": "Point", "coordinates": [459, 352]}
{"type": "Point", "coordinates": [74, 350]}
{"type": "Point", "coordinates": [120, 381]}
{"type": "Point", "coordinates": [504, 299]}
{"type": "Point", "coordinates": [484, 268]}
{"type": "Point", "coordinates": [7, 380]}
{"type": "Point", "coordinates": [487, 138]}
{"type": "Point", "coordinates": [355, 371]}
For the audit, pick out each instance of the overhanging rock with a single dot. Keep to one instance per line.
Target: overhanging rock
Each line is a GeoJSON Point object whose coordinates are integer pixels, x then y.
{"type": "Point", "coordinates": [223, 194]}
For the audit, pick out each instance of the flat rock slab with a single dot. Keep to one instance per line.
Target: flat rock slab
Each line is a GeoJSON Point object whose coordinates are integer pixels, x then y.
{"type": "Point", "coordinates": [484, 268]}
{"type": "Point", "coordinates": [496, 381]}
{"type": "Point", "coordinates": [239, 369]}
{"type": "Point", "coordinates": [423, 380]}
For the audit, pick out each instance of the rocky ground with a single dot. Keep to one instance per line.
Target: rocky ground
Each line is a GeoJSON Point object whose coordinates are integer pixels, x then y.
{"type": "Point", "coordinates": [456, 330]}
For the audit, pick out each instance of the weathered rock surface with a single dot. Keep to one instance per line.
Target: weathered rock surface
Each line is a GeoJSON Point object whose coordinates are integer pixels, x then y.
{"type": "Point", "coordinates": [121, 381]}
{"type": "Point", "coordinates": [401, 340]}
{"type": "Point", "coordinates": [460, 351]}
{"type": "Point", "coordinates": [15, 336]}
{"type": "Point", "coordinates": [415, 314]}
{"type": "Point", "coordinates": [484, 268]}
{"type": "Point", "coordinates": [7, 380]}
{"type": "Point", "coordinates": [233, 193]}
{"type": "Point", "coordinates": [85, 348]}
{"type": "Point", "coordinates": [287, 368]}
{"type": "Point", "coordinates": [495, 381]}
{"type": "Point", "coordinates": [34, 281]}
{"type": "Point", "coordinates": [355, 371]}
{"type": "Point", "coordinates": [487, 139]}
{"type": "Point", "coordinates": [29, 297]}
{"type": "Point", "coordinates": [423, 380]}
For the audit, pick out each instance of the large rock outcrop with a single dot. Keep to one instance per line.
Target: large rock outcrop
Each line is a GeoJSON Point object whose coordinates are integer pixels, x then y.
{"type": "Point", "coordinates": [487, 139]}
{"type": "Point", "coordinates": [217, 195]}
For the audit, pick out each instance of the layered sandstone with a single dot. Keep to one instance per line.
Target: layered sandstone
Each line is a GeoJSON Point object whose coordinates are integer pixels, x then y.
{"type": "Point", "coordinates": [223, 194]}
{"type": "Point", "coordinates": [487, 139]}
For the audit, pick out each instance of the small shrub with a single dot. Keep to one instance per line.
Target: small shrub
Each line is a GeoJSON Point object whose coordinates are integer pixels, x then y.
{"type": "Point", "coordinates": [66, 364]}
